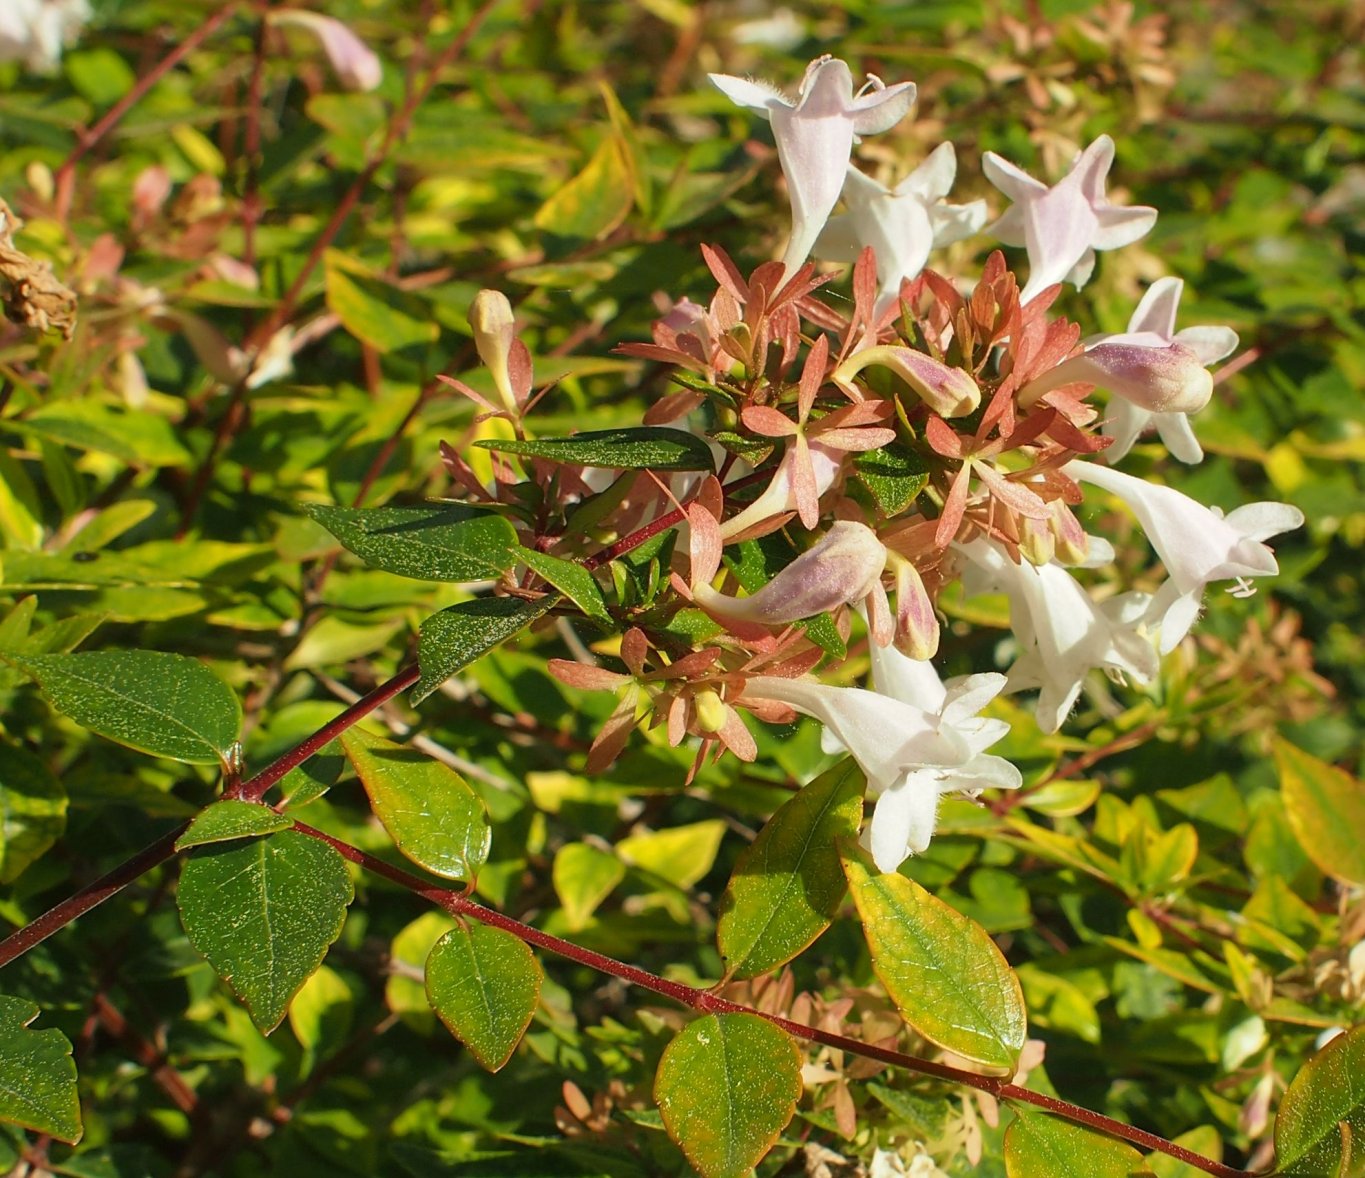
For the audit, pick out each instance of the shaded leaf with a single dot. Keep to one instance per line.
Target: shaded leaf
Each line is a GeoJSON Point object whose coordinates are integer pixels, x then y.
{"type": "Point", "coordinates": [1326, 809]}
{"type": "Point", "coordinates": [727, 1085]}
{"type": "Point", "coordinates": [455, 637]}
{"type": "Point", "coordinates": [943, 972]}
{"type": "Point", "coordinates": [484, 984]}
{"type": "Point", "coordinates": [596, 200]}
{"type": "Point", "coordinates": [788, 884]}
{"type": "Point", "coordinates": [894, 476]}
{"type": "Point", "coordinates": [436, 542]}
{"type": "Point", "coordinates": [430, 812]}
{"type": "Point", "coordinates": [287, 895]}
{"type": "Point", "coordinates": [1321, 1119]}
{"type": "Point", "coordinates": [645, 447]}
{"type": "Point", "coordinates": [32, 810]}
{"type": "Point", "coordinates": [231, 819]}
{"type": "Point", "coordinates": [164, 704]}
{"type": "Point", "coordinates": [37, 1074]}
{"type": "Point", "coordinates": [1040, 1146]}
{"type": "Point", "coordinates": [583, 877]}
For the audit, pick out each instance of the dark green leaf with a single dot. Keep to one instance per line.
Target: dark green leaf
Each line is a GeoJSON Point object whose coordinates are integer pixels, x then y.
{"type": "Point", "coordinates": [1040, 1146]}
{"type": "Point", "coordinates": [1326, 809]}
{"type": "Point", "coordinates": [646, 447]}
{"type": "Point", "coordinates": [32, 810]}
{"type": "Point", "coordinates": [264, 912]}
{"type": "Point", "coordinates": [436, 542]}
{"type": "Point", "coordinates": [945, 975]}
{"type": "Point", "coordinates": [571, 579]}
{"type": "Point", "coordinates": [164, 704]}
{"type": "Point", "coordinates": [484, 984]}
{"type": "Point", "coordinates": [37, 1075]}
{"type": "Point", "coordinates": [455, 637]}
{"type": "Point", "coordinates": [231, 819]}
{"type": "Point", "coordinates": [788, 884]}
{"type": "Point", "coordinates": [894, 476]}
{"type": "Point", "coordinates": [1321, 1120]}
{"type": "Point", "coordinates": [430, 812]}
{"type": "Point", "coordinates": [727, 1086]}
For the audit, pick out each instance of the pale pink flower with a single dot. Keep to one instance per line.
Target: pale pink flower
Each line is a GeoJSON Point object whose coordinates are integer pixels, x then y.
{"type": "Point", "coordinates": [353, 62]}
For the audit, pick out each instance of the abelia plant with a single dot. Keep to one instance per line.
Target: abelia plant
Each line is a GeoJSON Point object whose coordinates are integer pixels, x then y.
{"type": "Point", "coordinates": [877, 527]}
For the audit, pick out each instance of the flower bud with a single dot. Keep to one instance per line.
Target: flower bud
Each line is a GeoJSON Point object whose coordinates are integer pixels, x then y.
{"type": "Point", "coordinates": [1160, 380]}
{"type": "Point", "coordinates": [916, 623]}
{"type": "Point", "coordinates": [490, 315]}
{"type": "Point", "coordinates": [949, 392]}
{"type": "Point", "coordinates": [354, 63]}
{"type": "Point", "coordinates": [711, 711]}
{"type": "Point", "coordinates": [840, 568]}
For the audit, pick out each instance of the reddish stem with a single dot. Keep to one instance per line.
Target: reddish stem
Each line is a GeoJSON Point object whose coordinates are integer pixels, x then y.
{"type": "Point", "coordinates": [459, 904]}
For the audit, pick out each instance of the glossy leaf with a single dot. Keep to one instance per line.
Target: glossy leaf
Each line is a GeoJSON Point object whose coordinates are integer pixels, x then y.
{"type": "Point", "coordinates": [945, 975]}
{"type": "Point", "coordinates": [37, 1074]}
{"type": "Point", "coordinates": [1326, 808]}
{"type": "Point", "coordinates": [1321, 1119]}
{"type": "Point", "coordinates": [727, 1085]}
{"type": "Point", "coordinates": [231, 819]}
{"type": "Point", "coordinates": [646, 447]}
{"type": "Point", "coordinates": [164, 704]}
{"type": "Point", "coordinates": [436, 542]}
{"type": "Point", "coordinates": [452, 639]}
{"type": "Point", "coordinates": [1040, 1146]}
{"type": "Point", "coordinates": [375, 311]}
{"type": "Point", "coordinates": [583, 877]}
{"type": "Point", "coordinates": [788, 884]}
{"type": "Point", "coordinates": [287, 896]}
{"type": "Point", "coordinates": [680, 854]}
{"type": "Point", "coordinates": [430, 812]}
{"type": "Point", "coordinates": [484, 984]}
{"type": "Point", "coordinates": [32, 810]}
{"type": "Point", "coordinates": [894, 476]}
{"type": "Point", "coordinates": [571, 579]}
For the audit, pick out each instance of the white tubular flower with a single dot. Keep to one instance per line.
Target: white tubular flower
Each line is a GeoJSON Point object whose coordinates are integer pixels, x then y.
{"type": "Point", "coordinates": [1063, 226]}
{"type": "Point", "coordinates": [914, 738]}
{"type": "Point", "coordinates": [1197, 544]}
{"type": "Point", "coordinates": [901, 224]}
{"type": "Point", "coordinates": [1153, 325]}
{"type": "Point", "coordinates": [815, 136]}
{"type": "Point", "coordinates": [948, 391]}
{"type": "Point", "coordinates": [1062, 633]}
{"type": "Point", "coordinates": [34, 31]}
{"type": "Point", "coordinates": [353, 62]}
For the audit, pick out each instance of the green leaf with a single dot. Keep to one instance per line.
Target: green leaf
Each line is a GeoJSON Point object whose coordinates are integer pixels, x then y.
{"type": "Point", "coordinates": [788, 884]}
{"type": "Point", "coordinates": [571, 579]}
{"type": "Point", "coordinates": [437, 542]}
{"type": "Point", "coordinates": [139, 438]}
{"type": "Point", "coordinates": [645, 447]}
{"type": "Point", "coordinates": [430, 812]}
{"type": "Point", "coordinates": [264, 912]}
{"type": "Point", "coordinates": [595, 201]}
{"type": "Point", "coordinates": [727, 1085]}
{"type": "Point", "coordinates": [375, 311]}
{"type": "Point", "coordinates": [1040, 1146]}
{"type": "Point", "coordinates": [405, 990]}
{"type": "Point", "coordinates": [894, 476]}
{"type": "Point", "coordinates": [37, 1074]}
{"type": "Point", "coordinates": [452, 639]}
{"type": "Point", "coordinates": [32, 810]}
{"type": "Point", "coordinates": [321, 1013]}
{"type": "Point", "coordinates": [583, 877]}
{"type": "Point", "coordinates": [231, 819]}
{"type": "Point", "coordinates": [945, 975]}
{"type": "Point", "coordinates": [1320, 1125]}
{"type": "Point", "coordinates": [484, 984]}
{"type": "Point", "coordinates": [164, 704]}
{"type": "Point", "coordinates": [1326, 809]}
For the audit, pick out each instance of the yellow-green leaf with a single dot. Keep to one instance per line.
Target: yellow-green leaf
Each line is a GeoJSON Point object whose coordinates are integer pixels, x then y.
{"type": "Point", "coordinates": [583, 877]}
{"type": "Point", "coordinates": [681, 854]}
{"type": "Point", "coordinates": [1326, 808]}
{"type": "Point", "coordinates": [945, 975]}
{"type": "Point", "coordinates": [373, 310]}
{"type": "Point", "coordinates": [595, 201]}
{"type": "Point", "coordinates": [484, 984]}
{"type": "Point", "coordinates": [1040, 1146]}
{"type": "Point", "coordinates": [727, 1085]}
{"type": "Point", "coordinates": [1321, 1120]}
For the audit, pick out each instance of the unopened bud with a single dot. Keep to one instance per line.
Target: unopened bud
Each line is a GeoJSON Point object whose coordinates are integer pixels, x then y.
{"type": "Point", "coordinates": [948, 391]}
{"type": "Point", "coordinates": [711, 711]}
{"type": "Point", "coordinates": [490, 316]}
{"type": "Point", "coordinates": [917, 630]}
{"type": "Point", "coordinates": [353, 62]}
{"type": "Point", "coordinates": [1160, 380]}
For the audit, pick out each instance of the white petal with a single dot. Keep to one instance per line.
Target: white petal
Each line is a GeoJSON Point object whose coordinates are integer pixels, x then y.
{"type": "Point", "coordinates": [1176, 432]}
{"type": "Point", "coordinates": [1260, 521]}
{"type": "Point", "coordinates": [1013, 181]}
{"type": "Point", "coordinates": [933, 179]}
{"type": "Point", "coordinates": [759, 97]}
{"type": "Point", "coordinates": [880, 110]}
{"type": "Point", "coordinates": [904, 819]}
{"type": "Point", "coordinates": [838, 241]}
{"type": "Point", "coordinates": [1210, 344]}
{"type": "Point", "coordinates": [1156, 311]}
{"type": "Point", "coordinates": [1120, 226]}
{"type": "Point", "coordinates": [956, 222]}
{"type": "Point", "coordinates": [1091, 169]}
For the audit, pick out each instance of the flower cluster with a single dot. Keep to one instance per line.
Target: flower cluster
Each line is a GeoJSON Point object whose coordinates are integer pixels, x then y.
{"type": "Point", "coordinates": [874, 452]}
